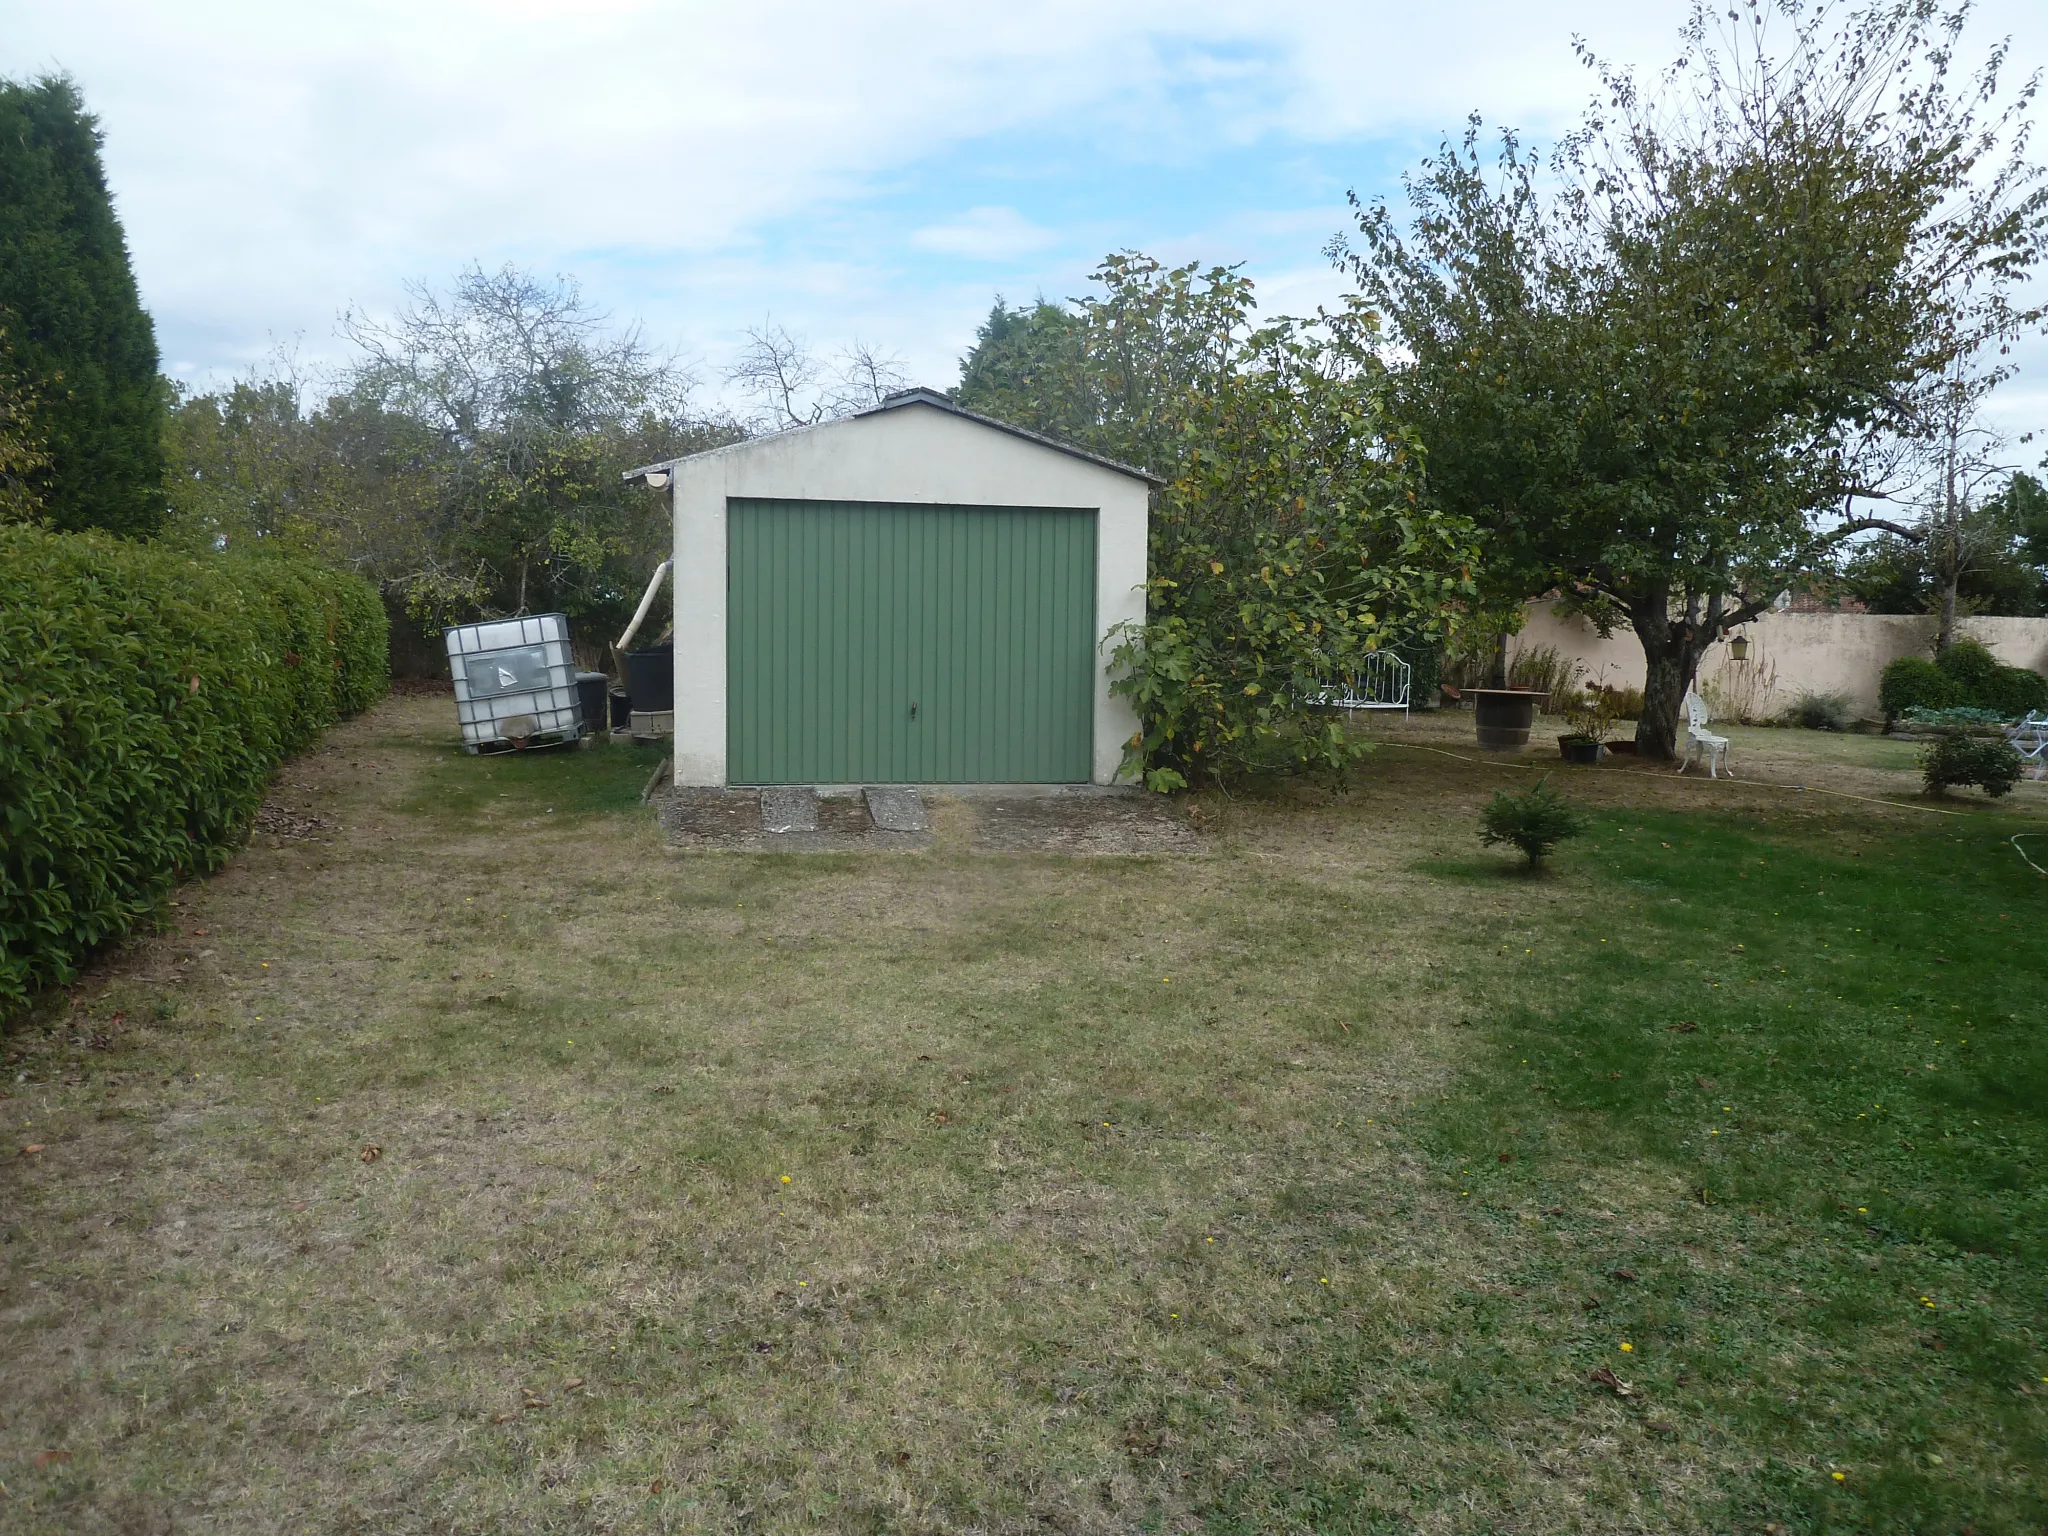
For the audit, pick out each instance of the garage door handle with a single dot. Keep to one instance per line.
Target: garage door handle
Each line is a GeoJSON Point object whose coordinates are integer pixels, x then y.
{"type": "Point", "coordinates": [913, 709]}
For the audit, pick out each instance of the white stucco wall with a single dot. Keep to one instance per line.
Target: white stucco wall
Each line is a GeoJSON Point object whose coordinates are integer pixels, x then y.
{"type": "Point", "coordinates": [1792, 654]}
{"type": "Point", "coordinates": [913, 453]}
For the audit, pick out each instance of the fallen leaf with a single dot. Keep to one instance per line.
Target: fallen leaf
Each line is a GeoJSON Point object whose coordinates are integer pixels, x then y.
{"type": "Point", "coordinates": [32, 1149]}
{"type": "Point", "coordinates": [504, 1418]}
{"type": "Point", "coordinates": [1553, 1210]}
{"type": "Point", "coordinates": [572, 1383]}
{"type": "Point", "coordinates": [371, 1152]}
{"type": "Point", "coordinates": [52, 1458]}
{"type": "Point", "coordinates": [1683, 1027]}
{"type": "Point", "coordinates": [120, 1017]}
{"type": "Point", "coordinates": [1507, 1157]}
{"type": "Point", "coordinates": [1623, 1274]}
{"type": "Point", "coordinates": [1613, 1383]}
{"type": "Point", "coordinates": [1659, 1427]}
{"type": "Point", "coordinates": [656, 1486]}
{"type": "Point", "coordinates": [1706, 1084]}
{"type": "Point", "coordinates": [940, 1116]}
{"type": "Point", "coordinates": [536, 1402]}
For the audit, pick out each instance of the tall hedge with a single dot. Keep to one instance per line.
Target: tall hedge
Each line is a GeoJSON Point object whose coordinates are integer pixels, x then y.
{"type": "Point", "coordinates": [145, 698]}
{"type": "Point", "coordinates": [82, 342]}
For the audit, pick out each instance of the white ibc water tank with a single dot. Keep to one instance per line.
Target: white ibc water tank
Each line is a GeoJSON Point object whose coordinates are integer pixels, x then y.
{"type": "Point", "coordinates": [515, 682]}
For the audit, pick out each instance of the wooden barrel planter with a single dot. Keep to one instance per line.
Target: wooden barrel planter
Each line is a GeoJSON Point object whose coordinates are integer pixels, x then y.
{"type": "Point", "coordinates": [1504, 716]}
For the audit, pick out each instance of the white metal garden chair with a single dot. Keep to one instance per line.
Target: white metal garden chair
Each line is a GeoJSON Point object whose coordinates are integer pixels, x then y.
{"type": "Point", "coordinates": [1381, 682]}
{"type": "Point", "coordinates": [2029, 738]}
{"type": "Point", "coordinates": [1701, 742]}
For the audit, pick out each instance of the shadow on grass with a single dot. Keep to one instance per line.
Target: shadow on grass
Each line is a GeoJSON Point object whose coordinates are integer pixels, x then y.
{"type": "Point", "coordinates": [602, 779]}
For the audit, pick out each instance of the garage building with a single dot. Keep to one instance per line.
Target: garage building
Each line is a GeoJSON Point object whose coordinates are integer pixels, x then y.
{"type": "Point", "coordinates": [912, 595]}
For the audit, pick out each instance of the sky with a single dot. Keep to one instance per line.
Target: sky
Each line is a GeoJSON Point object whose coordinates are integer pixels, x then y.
{"type": "Point", "coordinates": [874, 173]}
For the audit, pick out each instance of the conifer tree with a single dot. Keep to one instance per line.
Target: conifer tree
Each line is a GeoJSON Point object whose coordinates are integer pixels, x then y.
{"type": "Point", "coordinates": [83, 347]}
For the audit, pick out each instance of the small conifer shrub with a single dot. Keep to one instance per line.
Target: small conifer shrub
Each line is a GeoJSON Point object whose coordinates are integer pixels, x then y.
{"type": "Point", "coordinates": [1535, 821]}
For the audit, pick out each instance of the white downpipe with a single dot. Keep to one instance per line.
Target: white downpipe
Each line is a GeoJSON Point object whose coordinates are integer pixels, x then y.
{"type": "Point", "coordinates": [640, 613]}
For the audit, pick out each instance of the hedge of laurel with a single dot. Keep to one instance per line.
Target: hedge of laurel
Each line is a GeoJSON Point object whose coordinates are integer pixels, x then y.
{"type": "Point", "coordinates": [145, 698]}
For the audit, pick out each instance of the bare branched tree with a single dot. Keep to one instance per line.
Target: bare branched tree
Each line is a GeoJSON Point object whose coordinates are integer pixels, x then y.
{"type": "Point", "coordinates": [505, 351]}
{"type": "Point", "coordinates": [791, 386]}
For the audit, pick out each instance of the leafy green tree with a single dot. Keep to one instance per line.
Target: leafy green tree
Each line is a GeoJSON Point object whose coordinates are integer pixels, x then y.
{"type": "Point", "coordinates": [1649, 374]}
{"type": "Point", "coordinates": [1289, 538]}
{"type": "Point", "coordinates": [469, 462]}
{"type": "Point", "coordinates": [81, 340]}
{"type": "Point", "coordinates": [527, 404]}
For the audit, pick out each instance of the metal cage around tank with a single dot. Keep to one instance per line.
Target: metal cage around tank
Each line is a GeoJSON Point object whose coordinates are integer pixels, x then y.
{"type": "Point", "coordinates": [515, 683]}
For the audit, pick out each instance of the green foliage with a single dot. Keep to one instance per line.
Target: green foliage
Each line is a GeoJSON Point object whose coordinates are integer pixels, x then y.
{"type": "Point", "coordinates": [1289, 539]}
{"type": "Point", "coordinates": [1914, 682]}
{"type": "Point", "coordinates": [1535, 821]}
{"type": "Point", "coordinates": [1965, 676]}
{"type": "Point", "coordinates": [82, 342]}
{"type": "Point", "coordinates": [471, 466]}
{"type": "Point", "coordinates": [1989, 762]}
{"type": "Point", "coordinates": [1823, 712]}
{"type": "Point", "coordinates": [145, 697]}
{"type": "Point", "coordinates": [22, 459]}
{"type": "Point", "coordinates": [1647, 369]}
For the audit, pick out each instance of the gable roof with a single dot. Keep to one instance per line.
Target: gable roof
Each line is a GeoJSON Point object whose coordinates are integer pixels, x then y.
{"type": "Point", "coordinates": [904, 399]}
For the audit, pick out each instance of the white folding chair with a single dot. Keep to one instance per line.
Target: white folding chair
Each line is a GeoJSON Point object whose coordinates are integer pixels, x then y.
{"type": "Point", "coordinates": [2029, 738]}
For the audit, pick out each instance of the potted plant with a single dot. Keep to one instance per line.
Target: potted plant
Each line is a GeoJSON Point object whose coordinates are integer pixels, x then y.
{"type": "Point", "coordinates": [1591, 718]}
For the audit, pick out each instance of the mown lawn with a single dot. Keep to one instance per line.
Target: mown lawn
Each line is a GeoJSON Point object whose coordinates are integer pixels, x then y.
{"type": "Point", "coordinates": [489, 1168]}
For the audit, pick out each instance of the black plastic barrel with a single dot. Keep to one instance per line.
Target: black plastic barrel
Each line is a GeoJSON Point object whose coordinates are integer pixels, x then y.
{"type": "Point", "coordinates": [651, 679]}
{"type": "Point", "coordinates": [622, 709]}
{"type": "Point", "coordinates": [590, 691]}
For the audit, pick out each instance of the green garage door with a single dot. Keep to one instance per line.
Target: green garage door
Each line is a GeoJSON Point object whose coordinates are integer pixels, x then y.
{"type": "Point", "coordinates": [870, 643]}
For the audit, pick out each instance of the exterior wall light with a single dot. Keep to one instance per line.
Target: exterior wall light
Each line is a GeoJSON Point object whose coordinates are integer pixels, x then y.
{"type": "Point", "coordinates": [1738, 648]}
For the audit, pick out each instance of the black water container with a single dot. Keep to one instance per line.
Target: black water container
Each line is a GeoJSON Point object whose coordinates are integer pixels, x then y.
{"type": "Point", "coordinates": [622, 709]}
{"type": "Point", "coordinates": [651, 679]}
{"type": "Point", "coordinates": [590, 692]}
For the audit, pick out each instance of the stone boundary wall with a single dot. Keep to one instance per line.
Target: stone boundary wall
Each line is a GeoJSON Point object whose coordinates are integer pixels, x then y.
{"type": "Point", "coordinates": [1790, 654]}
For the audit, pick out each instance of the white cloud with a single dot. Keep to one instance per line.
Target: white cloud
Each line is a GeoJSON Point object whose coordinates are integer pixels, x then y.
{"type": "Point", "coordinates": [984, 234]}
{"type": "Point", "coordinates": [276, 162]}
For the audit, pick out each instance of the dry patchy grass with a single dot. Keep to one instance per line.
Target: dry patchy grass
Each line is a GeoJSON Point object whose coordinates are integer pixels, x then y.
{"type": "Point", "coordinates": [469, 1161]}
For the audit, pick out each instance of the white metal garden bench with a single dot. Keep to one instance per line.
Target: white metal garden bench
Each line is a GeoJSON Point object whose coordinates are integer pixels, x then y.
{"type": "Point", "coordinates": [2029, 738]}
{"type": "Point", "coordinates": [1701, 742]}
{"type": "Point", "coordinates": [1381, 682]}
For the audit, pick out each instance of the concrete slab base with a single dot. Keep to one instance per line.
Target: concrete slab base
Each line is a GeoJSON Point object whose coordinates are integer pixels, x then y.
{"type": "Point", "coordinates": [789, 808]}
{"type": "Point", "coordinates": [896, 808]}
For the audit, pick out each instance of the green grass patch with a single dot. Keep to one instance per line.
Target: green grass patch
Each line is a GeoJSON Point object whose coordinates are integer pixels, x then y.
{"type": "Point", "coordinates": [1832, 1050]}
{"type": "Point", "coordinates": [603, 778]}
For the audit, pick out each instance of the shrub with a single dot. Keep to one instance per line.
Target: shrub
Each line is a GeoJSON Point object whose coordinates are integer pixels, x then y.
{"type": "Point", "coordinates": [2012, 692]}
{"type": "Point", "coordinates": [145, 697]}
{"type": "Point", "coordinates": [1991, 764]}
{"type": "Point", "coordinates": [1823, 712]}
{"type": "Point", "coordinates": [1626, 703]}
{"type": "Point", "coordinates": [1966, 675]}
{"type": "Point", "coordinates": [1968, 665]}
{"type": "Point", "coordinates": [1914, 682]}
{"type": "Point", "coordinates": [1535, 821]}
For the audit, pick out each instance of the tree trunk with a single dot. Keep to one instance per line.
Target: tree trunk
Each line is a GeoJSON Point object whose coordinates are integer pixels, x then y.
{"type": "Point", "coordinates": [1945, 629]}
{"type": "Point", "coordinates": [1664, 685]}
{"type": "Point", "coordinates": [1948, 552]}
{"type": "Point", "coordinates": [1672, 647]}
